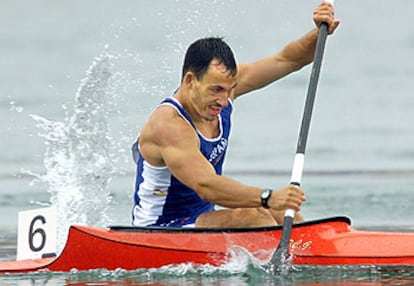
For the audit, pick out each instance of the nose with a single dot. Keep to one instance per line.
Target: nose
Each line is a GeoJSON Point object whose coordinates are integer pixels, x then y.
{"type": "Point", "coordinates": [223, 97]}
{"type": "Point", "coordinates": [222, 101]}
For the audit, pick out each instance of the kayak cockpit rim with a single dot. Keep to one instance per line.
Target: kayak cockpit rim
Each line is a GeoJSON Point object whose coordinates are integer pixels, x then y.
{"type": "Point", "coordinates": [344, 219]}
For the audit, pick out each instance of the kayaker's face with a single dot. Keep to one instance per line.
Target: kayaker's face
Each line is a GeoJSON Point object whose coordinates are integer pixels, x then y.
{"type": "Point", "coordinates": [211, 92]}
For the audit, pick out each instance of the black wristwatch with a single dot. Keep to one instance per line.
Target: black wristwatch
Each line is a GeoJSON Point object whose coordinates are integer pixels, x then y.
{"type": "Point", "coordinates": [265, 196]}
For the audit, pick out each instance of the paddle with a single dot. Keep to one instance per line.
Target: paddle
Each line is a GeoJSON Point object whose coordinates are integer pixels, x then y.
{"type": "Point", "coordinates": [281, 253]}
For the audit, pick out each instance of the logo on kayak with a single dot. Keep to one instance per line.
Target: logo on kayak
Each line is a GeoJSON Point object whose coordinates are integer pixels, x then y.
{"type": "Point", "coordinates": [158, 192]}
{"type": "Point", "coordinates": [300, 244]}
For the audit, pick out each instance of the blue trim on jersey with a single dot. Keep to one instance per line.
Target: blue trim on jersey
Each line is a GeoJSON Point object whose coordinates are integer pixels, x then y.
{"type": "Point", "coordinates": [181, 201]}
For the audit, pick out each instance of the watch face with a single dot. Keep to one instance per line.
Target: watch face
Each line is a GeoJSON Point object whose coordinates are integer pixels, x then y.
{"type": "Point", "coordinates": [265, 194]}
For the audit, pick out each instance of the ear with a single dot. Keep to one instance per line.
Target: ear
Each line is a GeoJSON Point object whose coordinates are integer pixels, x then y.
{"type": "Point", "coordinates": [189, 79]}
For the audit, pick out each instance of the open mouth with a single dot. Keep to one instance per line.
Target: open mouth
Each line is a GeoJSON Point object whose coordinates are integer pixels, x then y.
{"type": "Point", "coordinates": [215, 109]}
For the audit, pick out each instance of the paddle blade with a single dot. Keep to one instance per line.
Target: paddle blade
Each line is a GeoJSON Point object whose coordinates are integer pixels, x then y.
{"type": "Point", "coordinates": [280, 257]}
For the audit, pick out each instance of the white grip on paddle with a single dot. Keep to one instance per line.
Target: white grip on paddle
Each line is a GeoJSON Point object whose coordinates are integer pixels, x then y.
{"type": "Point", "coordinates": [290, 213]}
{"type": "Point", "coordinates": [297, 169]}
{"type": "Point", "coordinates": [329, 1]}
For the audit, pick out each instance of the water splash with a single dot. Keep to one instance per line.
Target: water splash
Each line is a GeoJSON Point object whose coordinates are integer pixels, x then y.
{"type": "Point", "coordinates": [239, 262]}
{"type": "Point", "coordinates": [77, 157]}
{"type": "Point", "coordinates": [14, 107]}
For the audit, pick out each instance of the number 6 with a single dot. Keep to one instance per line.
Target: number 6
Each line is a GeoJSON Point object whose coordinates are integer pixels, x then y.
{"type": "Point", "coordinates": [39, 231]}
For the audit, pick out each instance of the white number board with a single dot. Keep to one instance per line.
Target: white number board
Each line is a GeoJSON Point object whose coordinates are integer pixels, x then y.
{"type": "Point", "coordinates": [36, 235]}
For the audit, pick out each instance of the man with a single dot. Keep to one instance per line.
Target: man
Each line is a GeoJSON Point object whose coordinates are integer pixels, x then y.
{"type": "Point", "coordinates": [181, 148]}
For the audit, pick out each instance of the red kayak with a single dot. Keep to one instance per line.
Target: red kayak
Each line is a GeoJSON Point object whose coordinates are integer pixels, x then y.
{"type": "Point", "coordinates": [330, 241]}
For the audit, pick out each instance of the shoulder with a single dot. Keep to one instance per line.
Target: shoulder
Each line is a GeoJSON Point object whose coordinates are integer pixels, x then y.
{"type": "Point", "coordinates": [164, 126]}
{"type": "Point", "coordinates": [165, 132]}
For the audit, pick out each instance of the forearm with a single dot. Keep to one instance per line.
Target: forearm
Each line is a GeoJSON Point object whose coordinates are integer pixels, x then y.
{"type": "Point", "coordinates": [231, 194]}
{"type": "Point", "coordinates": [300, 52]}
{"type": "Point", "coordinates": [228, 193]}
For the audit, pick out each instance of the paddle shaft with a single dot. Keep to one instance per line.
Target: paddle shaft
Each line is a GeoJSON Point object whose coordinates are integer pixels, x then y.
{"type": "Point", "coordinates": [297, 170]}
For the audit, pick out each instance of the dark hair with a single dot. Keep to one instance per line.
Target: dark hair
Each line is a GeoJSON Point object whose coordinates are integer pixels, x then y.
{"type": "Point", "coordinates": [200, 53]}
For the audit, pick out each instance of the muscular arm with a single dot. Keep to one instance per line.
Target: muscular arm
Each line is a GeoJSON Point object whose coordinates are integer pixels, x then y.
{"type": "Point", "coordinates": [291, 58]}
{"type": "Point", "coordinates": [267, 70]}
{"type": "Point", "coordinates": [178, 148]}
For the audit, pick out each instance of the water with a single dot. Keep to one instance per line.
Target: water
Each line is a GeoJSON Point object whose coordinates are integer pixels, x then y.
{"type": "Point", "coordinates": [359, 160]}
{"type": "Point", "coordinates": [187, 274]}
{"type": "Point", "coordinates": [77, 159]}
